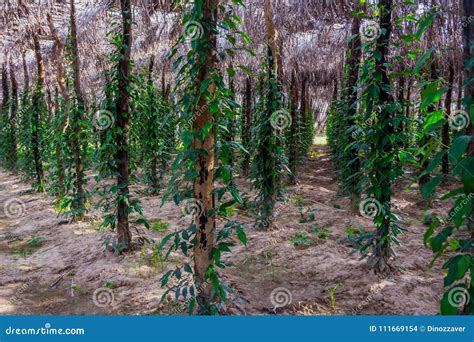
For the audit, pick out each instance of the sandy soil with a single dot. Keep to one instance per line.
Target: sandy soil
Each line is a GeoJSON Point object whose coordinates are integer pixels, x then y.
{"type": "Point", "coordinates": [59, 274]}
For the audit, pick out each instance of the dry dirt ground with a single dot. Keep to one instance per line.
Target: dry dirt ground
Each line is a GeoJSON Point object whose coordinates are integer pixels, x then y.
{"type": "Point", "coordinates": [51, 266]}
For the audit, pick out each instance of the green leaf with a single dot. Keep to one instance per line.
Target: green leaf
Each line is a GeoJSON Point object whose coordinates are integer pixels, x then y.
{"type": "Point", "coordinates": [421, 61]}
{"type": "Point", "coordinates": [187, 268]}
{"type": "Point", "coordinates": [245, 69]}
{"type": "Point", "coordinates": [177, 273]}
{"type": "Point", "coordinates": [245, 37]}
{"type": "Point", "coordinates": [192, 303]}
{"type": "Point", "coordinates": [164, 241]}
{"type": "Point", "coordinates": [457, 268]}
{"type": "Point", "coordinates": [241, 235]}
{"type": "Point", "coordinates": [144, 222]}
{"type": "Point", "coordinates": [423, 24]}
{"type": "Point", "coordinates": [431, 94]}
{"type": "Point", "coordinates": [165, 278]}
{"type": "Point", "coordinates": [434, 119]}
{"type": "Point", "coordinates": [214, 107]}
{"type": "Point", "coordinates": [458, 148]}
{"type": "Point", "coordinates": [205, 130]}
{"type": "Point", "coordinates": [231, 72]}
{"type": "Point", "coordinates": [445, 306]}
{"type": "Point", "coordinates": [461, 210]}
{"type": "Point", "coordinates": [430, 231]}
{"type": "Point", "coordinates": [463, 266]}
{"type": "Point", "coordinates": [438, 241]}
{"type": "Point", "coordinates": [236, 195]}
{"type": "Point", "coordinates": [454, 244]}
{"type": "Point", "coordinates": [163, 297]}
{"type": "Point", "coordinates": [406, 157]}
{"type": "Point", "coordinates": [204, 85]}
{"type": "Point", "coordinates": [377, 55]}
{"type": "Point", "coordinates": [428, 189]}
{"type": "Point", "coordinates": [435, 162]}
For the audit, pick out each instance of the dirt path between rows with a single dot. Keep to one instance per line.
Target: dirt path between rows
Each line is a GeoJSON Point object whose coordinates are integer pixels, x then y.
{"type": "Point", "coordinates": [50, 266]}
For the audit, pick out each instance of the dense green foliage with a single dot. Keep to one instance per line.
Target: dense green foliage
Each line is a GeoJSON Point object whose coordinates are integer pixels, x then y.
{"type": "Point", "coordinates": [377, 138]}
{"type": "Point", "coordinates": [390, 142]}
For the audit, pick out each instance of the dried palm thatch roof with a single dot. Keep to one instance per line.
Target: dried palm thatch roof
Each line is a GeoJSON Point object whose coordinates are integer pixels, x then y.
{"type": "Point", "coordinates": [312, 35]}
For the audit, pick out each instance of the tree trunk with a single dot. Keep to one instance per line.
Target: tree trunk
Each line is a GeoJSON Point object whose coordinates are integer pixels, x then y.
{"type": "Point", "coordinates": [304, 106]}
{"type": "Point", "coordinates": [246, 126]}
{"type": "Point", "coordinates": [77, 137]}
{"type": "Point", "coordinates": [401, 89]}
{"type": "Point", "coordinates": [231, 134]}
{"type": "Point", "coordinates": [203, 184]}
{"type": "Point", "coordinates": [25, 72]}
{"type": "Point", "coordinates": [401, 99]}
{"type": "Point", "coordinates": [124, 236]}
{"type": "Point", "coordinates": [272, 38]}
{"type": "Point", "coordinates": [49, 106]}
{"type": "Point", "coordinates": [431, 108]}
{"type": "Point", "coordinates": [459, 100]}
{"type": "Point", "coordinates": [292, 159]}
{"type": "Point", "coordinates": [268, 144]}
{"type": "Point", "coordinates": [353, 76]}
{"type": "Point", "coordinates": [76, 62]}
{"type": "Point", "coordinates": [5, 107]}
{"type": "Point", "coordinates": [468, 55]}
{"type": "Point", "coordinates": [13, 118]}
{"type": "Point", "coordinates": [163, 85]}
{"type": "Point", "coordinates": [154, 162]}
{"type": "Point", "coordinates": [445, 133]}
{"type": "Point", "coordinates": [382, 249]}
{"type": "Point", "coordinates": [58, 49]}
{"type": "Point", "coordinates": [408, 103]}
{"type": "Point", "coordinates": [38, 108]}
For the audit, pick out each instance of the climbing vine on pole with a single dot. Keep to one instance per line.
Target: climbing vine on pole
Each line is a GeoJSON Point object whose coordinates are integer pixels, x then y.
{"type": "Point", "coordinates": [205, 105]}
